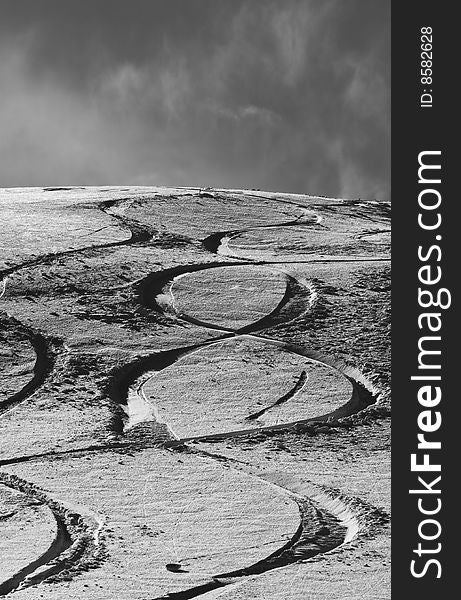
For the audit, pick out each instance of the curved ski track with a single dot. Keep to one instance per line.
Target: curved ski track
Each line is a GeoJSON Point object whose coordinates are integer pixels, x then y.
{"type": "Point", "coordinates": [77, 538]}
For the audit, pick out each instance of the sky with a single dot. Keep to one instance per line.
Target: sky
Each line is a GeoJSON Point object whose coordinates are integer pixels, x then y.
{"type": "Point", "coordinates": [283, 95]}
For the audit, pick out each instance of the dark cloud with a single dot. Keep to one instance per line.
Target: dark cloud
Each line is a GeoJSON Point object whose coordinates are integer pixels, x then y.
{"type": "Point", "coordinates": [288, 95]}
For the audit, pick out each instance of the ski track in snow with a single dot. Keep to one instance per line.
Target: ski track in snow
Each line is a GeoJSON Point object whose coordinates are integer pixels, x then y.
{"type": "Point", "coordinates": [72, 543]}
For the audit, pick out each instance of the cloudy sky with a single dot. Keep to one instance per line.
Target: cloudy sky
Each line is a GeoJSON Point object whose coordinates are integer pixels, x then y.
{"type": "Point", "coordinates": [288, 95]}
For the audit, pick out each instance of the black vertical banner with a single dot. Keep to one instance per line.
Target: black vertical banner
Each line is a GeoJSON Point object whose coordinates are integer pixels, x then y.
{"type": "Point", "coordinates": [425, 254]}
